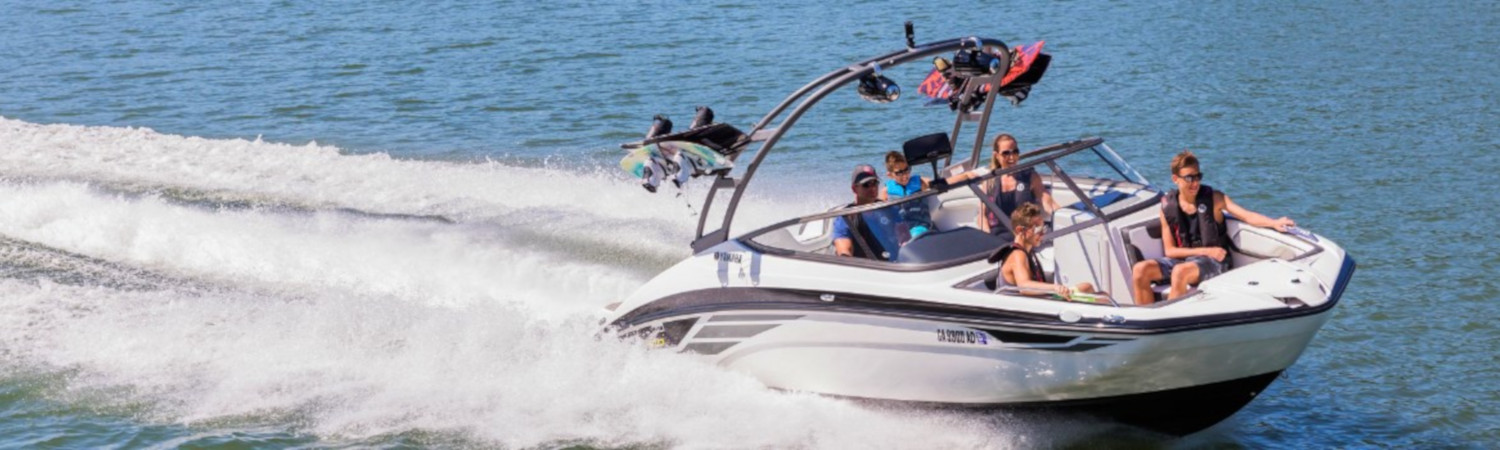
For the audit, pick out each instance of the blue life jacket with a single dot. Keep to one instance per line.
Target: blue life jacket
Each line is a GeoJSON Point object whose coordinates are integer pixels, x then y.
{"type": "Point", "coordinates": [914, 214]}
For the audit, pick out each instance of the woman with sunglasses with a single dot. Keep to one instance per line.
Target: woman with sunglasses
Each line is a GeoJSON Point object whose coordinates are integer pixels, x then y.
{"type": "Point", "coordinates": [1010, 191]}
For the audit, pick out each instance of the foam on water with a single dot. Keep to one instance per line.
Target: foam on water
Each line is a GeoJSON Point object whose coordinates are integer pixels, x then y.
{"type": "Point", "coordinates": [351, 326]}
{"type": "Point", "coordinates": [426, 262]}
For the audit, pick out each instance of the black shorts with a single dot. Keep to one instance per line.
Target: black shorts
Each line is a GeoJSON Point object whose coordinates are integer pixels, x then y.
{"type": "Point", "coordinates": [1207, 267]}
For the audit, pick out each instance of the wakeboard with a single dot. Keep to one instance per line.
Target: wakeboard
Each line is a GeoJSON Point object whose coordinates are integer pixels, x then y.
{"type": "Point", "coordinates": [673, 160]}
{"type": "Point", "coordinates": [936, 85]}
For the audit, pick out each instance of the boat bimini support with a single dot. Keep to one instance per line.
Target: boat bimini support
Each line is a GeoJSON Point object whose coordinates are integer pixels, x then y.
{"type": "Point", "coordinates": [827, 84]}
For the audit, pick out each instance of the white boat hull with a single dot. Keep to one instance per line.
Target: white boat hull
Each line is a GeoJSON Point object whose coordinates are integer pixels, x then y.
{"type": "Point", "coordinates": [1176, 370]}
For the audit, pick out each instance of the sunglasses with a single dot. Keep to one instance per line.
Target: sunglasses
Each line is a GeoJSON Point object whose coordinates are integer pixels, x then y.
{"type": "Point", "coordinates": [1192, 178]}
{"type": "Point", "coordinates": [905, 171]}
{"type": "Point", "coordinates": [1037, 230]}
{"type": "Point", "coordinates": [1010, 153]}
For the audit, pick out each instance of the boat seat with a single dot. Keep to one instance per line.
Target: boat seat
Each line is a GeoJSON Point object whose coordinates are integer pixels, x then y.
{"type": "Point", "coordinates": [947, 245]}
{"type": "Point", "coordinates": [991, 279]}
{"type": "Point", "coordinates": [1144, 242]}
{"type": "Point", "coordinates": [953, 211]}
{"type": "Point", "coordinates": [1081, 256]}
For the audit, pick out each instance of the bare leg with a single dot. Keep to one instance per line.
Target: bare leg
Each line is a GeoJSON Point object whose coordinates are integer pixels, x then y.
{"type": "Point", "coordinates": [1182, 275]}
{"type": "Point", "coordinates": [1141, 277]}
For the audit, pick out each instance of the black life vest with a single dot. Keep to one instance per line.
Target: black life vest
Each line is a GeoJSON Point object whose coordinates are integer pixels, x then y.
{"type": "Point", "coordinates": [864, 239]}
{"type": "Point", "coordinates": [1003, 254]}
{"type": "Point", "coordinates": [1009, 201]}
{"type": "Point", "coordinates": [1200, 229]}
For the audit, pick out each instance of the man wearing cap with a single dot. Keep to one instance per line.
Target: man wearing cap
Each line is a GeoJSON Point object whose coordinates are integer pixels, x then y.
{"type": "Point", "coordinates": [870, 234]}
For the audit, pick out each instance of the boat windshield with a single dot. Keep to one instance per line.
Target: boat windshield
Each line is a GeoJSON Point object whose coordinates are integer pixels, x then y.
{"type": "Point", "coordinates": [952, 225]}
{"type": "Point", "coordinates": [1099, 162]}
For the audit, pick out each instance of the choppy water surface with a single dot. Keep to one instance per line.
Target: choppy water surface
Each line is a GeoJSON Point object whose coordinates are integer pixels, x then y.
{"type": "Point", "coordinates": [386, 223]}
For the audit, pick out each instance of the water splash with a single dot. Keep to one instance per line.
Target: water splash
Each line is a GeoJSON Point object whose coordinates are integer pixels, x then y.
{"type": "Point", "coordinates": [351, 366]}
{"type": "Point", "coordinates": [226, 283]}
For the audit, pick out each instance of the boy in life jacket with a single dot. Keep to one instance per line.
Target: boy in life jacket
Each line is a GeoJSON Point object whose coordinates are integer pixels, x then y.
{"type": "Point", "coordinates": [916, 218]}
{"type": "Point", "coordinates": [1194, 237]}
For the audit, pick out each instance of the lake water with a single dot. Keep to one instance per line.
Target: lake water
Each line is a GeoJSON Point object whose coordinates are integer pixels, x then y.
{"type": "Point", "coordinates": [230, 224]}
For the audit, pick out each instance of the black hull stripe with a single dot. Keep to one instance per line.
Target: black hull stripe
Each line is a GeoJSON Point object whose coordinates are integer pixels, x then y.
{"type": "Point", "coordinates": [977, 351]}
{"type": "Point", "coordinates": [1179, 411]}
{"type": "Point", "coordinates": [740, 299]}
{"type": "Point", "coordinates": [753, 317]}
{"type": "Point", "coordinates": [709, 348]}
{"type": "Point", "coordinates": [731, 331]}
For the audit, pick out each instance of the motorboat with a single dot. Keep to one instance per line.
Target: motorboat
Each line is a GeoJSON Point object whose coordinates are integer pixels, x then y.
{"type": "Point", "coordinates": [927, 326]}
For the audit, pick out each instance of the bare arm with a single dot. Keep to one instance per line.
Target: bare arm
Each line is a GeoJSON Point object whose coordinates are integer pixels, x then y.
{"type": "Point", "coordinates": [983, 219]}
{"type": "Point", "coordinates": [1041, 192]}
{"type": "Point", "coordinates": [843, 247]}
{"type": "Point", "coordinates": [966, 176]}
{"type": "Point", "coordinates": [1255, 218]}
{"type": "Point", "coordinates": [1171, 250]}
{"type": "Point", "coordinates": [1021, 272]}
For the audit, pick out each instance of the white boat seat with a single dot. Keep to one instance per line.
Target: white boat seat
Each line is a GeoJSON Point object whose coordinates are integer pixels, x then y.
{"type": "Point", "coordinates": [1144, 242]}
{"type": "Point", "coordinates": [1081, 256]}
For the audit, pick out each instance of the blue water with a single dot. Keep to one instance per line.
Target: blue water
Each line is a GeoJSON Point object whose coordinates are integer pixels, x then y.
{"type": "Point", "coordinates": [388, 223]}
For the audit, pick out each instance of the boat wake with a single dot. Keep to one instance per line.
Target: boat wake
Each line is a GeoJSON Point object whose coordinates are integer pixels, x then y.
{"type": "Point", "coordinates": [232, 283]}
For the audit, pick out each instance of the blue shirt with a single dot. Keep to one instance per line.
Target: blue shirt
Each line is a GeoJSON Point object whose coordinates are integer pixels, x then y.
{"type": "Point", "coordinates": [882, 223]}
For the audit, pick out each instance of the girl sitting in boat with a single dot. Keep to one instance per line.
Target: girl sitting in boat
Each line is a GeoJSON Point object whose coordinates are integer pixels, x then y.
{"type": "Point", "coordinates": [1021, 269]}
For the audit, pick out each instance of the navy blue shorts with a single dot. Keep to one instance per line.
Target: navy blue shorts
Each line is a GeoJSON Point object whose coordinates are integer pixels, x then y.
{"type": "Point", "coordinates": [1207, 267]}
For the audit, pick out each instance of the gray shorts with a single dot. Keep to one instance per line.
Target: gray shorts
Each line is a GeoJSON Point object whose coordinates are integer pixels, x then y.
{"type": "Point", "coordinates": [1207, 267]}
